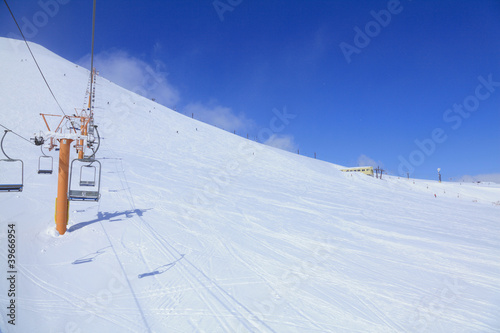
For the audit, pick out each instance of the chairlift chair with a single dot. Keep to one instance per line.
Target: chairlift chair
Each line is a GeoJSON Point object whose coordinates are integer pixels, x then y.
{"type": "Point", "coordinates": [45, 164]}
{"type": "Point", "coordinates": [84, 188]}
{"type": "Point", "coordinates": [85, 180]}
{"type": "Point", "coordinates": [14, 186]}
{"type": "Point", "coordinates": [45, 170]}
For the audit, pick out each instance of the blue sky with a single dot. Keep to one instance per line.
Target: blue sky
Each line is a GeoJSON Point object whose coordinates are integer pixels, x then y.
{"type": "Point", "coordinates": [409, 85]}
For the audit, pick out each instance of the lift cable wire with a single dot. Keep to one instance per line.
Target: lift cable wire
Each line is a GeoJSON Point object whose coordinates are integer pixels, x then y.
{"type": "Point", "coordinates": [36, 62]}
{"type": "Point", "coordinates": [22, 137]}
{"type": "Point", "coordinates": [33, 56]}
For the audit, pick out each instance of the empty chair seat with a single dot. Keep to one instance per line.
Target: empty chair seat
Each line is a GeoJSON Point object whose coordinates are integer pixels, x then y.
{"type": "Point", "coordinates": [45, 164]}
{"type": "Point", "coordinates": [76, 195]}
{"type": "Point", "coordinates": [11, 187]}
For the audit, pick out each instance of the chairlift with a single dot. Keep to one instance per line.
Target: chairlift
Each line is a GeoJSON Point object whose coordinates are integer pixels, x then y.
{"type": "Point", "coordinates": [85, 187]}
{"type": "Point", "coordinates": [17, 184]}
{"type": "Point", "coordinates": [45, 164]}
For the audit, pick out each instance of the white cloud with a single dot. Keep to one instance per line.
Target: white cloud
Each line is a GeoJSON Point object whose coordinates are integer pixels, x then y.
{"type": "Point", "coordinates": [281, 141]}
{"type": "Point", "coordinates": [135, 74]}
{"type": "Point", "coordinates": [492, 177]}
{"type": "Point", "coordinates": [150, 81]}
{"type": "Point", "coordinates": [364, 160]}
{"type": "Point", "coordinates": [219, 116]}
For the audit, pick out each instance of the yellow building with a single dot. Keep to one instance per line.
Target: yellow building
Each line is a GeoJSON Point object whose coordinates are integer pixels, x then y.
{"type": "Point", "coordinates": [367, 170]}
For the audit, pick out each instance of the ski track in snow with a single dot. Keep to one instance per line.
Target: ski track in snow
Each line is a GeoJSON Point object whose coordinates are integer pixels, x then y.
{"type": "Point", "coordinates": [195, 277]}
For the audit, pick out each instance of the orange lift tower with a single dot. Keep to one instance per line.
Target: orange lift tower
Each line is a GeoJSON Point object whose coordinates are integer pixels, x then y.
{"type": "Point", "coordinates": [64, 140]}
{"type": "Point", "coordinates": [63, 135]}
{"type": "Point", "coordinates": [62, 203]}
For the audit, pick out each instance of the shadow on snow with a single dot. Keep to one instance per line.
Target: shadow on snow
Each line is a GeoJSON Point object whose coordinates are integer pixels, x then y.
{"type": "Point", "coordinates": [161, 269]}
{"type": "Point", "coordinates": [109, 216]}
{"type": "Point", "coordinates": [90, 257]}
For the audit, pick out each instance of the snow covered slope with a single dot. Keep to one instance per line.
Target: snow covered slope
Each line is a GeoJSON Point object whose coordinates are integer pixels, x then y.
{"type": "Point", "coordinates": [200, 230]}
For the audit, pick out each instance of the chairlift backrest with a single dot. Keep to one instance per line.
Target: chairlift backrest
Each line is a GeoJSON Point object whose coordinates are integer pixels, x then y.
{"type": "Point", "coordinates": [85, 180]}
{"type": "Point", "coordinates": [46, 168]}
{"type": "Point", "coordinates": [16, 185]}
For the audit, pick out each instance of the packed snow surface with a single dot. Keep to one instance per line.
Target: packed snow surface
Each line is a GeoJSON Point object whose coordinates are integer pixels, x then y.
{"type": "Point", "coordinates": [200, 230]}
